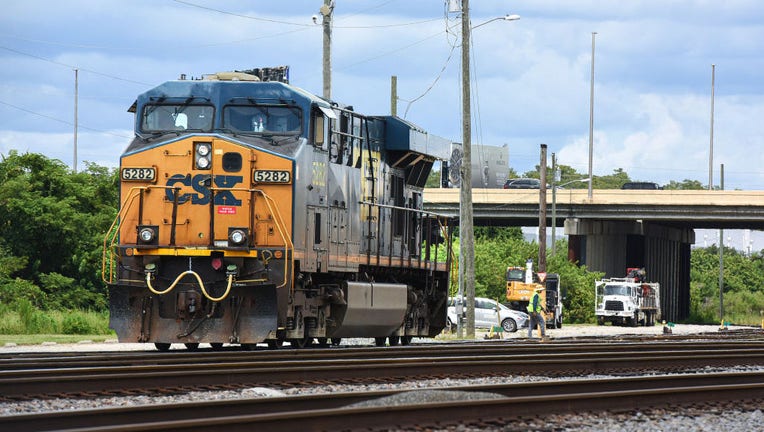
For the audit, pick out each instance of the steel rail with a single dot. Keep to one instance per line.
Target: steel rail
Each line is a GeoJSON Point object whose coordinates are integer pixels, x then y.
{"type": "Point", "coordinates": [17, 361]}
{"type": "Point", "coordinates": [22, 383]}
{"type": "Point", "coordinates": [334, 411]}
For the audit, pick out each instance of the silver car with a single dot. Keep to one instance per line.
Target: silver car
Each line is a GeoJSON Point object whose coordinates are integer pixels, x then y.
{"type": "Point", "coordinates": [489, 313]}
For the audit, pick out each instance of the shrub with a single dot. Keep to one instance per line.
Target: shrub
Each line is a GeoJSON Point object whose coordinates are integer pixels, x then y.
{"type": "Point", "coordinates": [76, 323]}
{"type": "Point", "coordinates": [35, 320]}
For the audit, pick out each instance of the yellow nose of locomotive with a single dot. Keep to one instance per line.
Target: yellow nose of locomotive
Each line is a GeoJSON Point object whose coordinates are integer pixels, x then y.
{"type": "Point", "coordinates": [209, 194]}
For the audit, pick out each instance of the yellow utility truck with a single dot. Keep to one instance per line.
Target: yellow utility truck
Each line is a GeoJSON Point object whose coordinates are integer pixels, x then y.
{"type": "Point", "coordinates": [522, 282]}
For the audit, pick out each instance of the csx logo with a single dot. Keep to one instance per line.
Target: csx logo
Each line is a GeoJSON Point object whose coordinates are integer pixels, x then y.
{"type": "Point", "coordinates": [201, 185]}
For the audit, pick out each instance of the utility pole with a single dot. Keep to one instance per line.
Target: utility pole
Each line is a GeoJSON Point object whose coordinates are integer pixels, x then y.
{"type": "Point", "coordinates": [711, 147]}
{"type": "Point", "coordinates": [466, 234]}
{"type": "Point", "coordinates": [555, 180]}
{"type": "Point", "coordinates": [542, 211]}
{"type": "Point", "coordinates": [721, 257]}
{"type": "Point", "coordinates": [591, 120]}
{"type": "Point", "coordinates": [76, 96]}
{"type": "Point", "coordinates": [326, 11]}
{"type": "Point", "coordinates": [393, 95]}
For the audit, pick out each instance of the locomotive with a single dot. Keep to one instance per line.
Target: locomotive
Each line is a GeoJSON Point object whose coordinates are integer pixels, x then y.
{"type": "Point", "coordinates": [252, 211]}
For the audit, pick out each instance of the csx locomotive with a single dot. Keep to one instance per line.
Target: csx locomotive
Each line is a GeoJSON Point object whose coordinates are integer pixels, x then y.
{"type": "Point", "coordinates": [252, 211]}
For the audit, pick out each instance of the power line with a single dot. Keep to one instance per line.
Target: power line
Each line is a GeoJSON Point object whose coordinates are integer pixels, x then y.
{"type": "Point", "coordinates": [60, 120]}
{"type": "Point", "coordinates": [74, 67]}
{"type": "Point", "coordinates": [255, 18]}
{"type": "Point", "coordinates": [390, 52]}
{"type": "Point", "coordinates": [443, 69]}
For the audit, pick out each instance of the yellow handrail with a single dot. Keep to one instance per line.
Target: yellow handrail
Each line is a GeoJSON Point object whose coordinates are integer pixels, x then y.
{"type": "Point", "coordinates": [288, 245]}
{"type": "Point", "coordinates": [110, 240]}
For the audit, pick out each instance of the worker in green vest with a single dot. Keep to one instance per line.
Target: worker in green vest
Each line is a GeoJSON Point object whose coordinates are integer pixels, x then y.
{"type": "Point", "coordinates": [536, 311]}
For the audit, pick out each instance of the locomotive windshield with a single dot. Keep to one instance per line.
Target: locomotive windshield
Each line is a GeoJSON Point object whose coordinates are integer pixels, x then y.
{"type": "Point", "coordinates": [177, 117]}
{"type": "Point", "coordinates": [266, 119]}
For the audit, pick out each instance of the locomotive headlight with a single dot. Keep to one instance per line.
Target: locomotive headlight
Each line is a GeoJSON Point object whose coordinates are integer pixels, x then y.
{"type": "Point", "coordinates": [237, 236]}
{"type": "Point", "coordinates": [147, 234]}
{"type": "Point", "coordinates": [203, 149]}
{"type": "Point", "coordinates": [203, 155]}
{"type": "Point", "coordinates": [203, 163]}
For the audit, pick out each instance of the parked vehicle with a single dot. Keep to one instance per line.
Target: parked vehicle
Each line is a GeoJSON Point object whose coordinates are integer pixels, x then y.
{"type": "Point", "coordinates": [521, 284]}
{"type": "Point", "coordinates": [523, 183]}
{"type": "Point", "coordinates": [641, 185]}
{"type": "Point", "coordinates": [488, 313]}
{"type": "Point", "coordinates": [628, 301]}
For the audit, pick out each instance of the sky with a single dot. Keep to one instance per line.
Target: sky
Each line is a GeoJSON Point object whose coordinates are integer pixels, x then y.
{"type": "Point", "coordinates": [531, 78]}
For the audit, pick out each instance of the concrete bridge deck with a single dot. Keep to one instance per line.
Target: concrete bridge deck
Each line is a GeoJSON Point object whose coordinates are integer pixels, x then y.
{"type": "Point", "coordinates": [684, 208]}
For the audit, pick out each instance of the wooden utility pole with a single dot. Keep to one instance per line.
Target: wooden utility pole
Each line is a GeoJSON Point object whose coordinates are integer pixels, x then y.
{"type": "Point", "coordinates": [466, 234]}
{"type": "Point", "coordinates": [721, 256]}
{"type": "Point", "coordinates": [326, 11]}
{"type": "Point", "coordinates": [542, 211]}
{"type": "Point", "coordinates": [394, 95]}
{"type": "Point", "coordinates": [76, 109]}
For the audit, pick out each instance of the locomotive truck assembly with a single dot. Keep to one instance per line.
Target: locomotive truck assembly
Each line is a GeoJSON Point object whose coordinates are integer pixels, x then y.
{"type": "Point", "coordinates": [253, 211]}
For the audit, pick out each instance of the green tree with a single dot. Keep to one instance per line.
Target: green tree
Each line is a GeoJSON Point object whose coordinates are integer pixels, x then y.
{"type": "Point", "coordinates": [685, 184]}
{"type": "Point", "coordinates": [54, 220]}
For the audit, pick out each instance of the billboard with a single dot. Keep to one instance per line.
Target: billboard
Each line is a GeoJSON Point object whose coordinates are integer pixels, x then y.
{"type": "Point", "coordinates": [490, 166]}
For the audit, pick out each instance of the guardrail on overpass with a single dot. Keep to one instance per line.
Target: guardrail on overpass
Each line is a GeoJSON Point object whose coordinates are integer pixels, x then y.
{"type": "Point", "coordinates": [683, 208]}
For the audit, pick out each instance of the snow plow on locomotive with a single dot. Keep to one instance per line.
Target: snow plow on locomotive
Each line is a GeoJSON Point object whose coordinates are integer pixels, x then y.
{"type": "Point", "coordinates": [253, 211]}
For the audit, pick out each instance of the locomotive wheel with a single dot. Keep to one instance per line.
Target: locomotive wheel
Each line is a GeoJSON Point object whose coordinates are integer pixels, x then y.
{"type": "Point", "coordinates": [323, 342]}
{"type": "Point", "coordinates": [301, 343]}
{"type": "Point", "coordinates": [275, 343]}
{"type": "Point", "coordinates": [192, 346]}
{"type": "Point", "coordinates": [336, 341]}
{"type": "Point", "coordinates": [379, 341]}
{"type": "Point", "coordinates": [394, 340]}
{"type": "Point", "coordinates": [161, 346]}
{"type": "Point", "coordinates": [216, 345]}
{"type": "Point", "coordinates": [406, 340]}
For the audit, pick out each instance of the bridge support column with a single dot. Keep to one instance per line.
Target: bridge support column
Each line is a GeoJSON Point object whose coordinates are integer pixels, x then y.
{"type": "Point", "coordinates": [613, 246]}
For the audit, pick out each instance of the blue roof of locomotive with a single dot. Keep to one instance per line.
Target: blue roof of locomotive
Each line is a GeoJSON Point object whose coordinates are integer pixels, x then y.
{"type": "Point", "coordinates": [401, 135]}
{"type": "Point", "coordinates": [220, 93]}
{"type": "Point", "coordinates": [405, 136]}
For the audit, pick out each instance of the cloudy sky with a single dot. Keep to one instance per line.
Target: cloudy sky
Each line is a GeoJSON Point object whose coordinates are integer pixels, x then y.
{"type": "Point", "coordinates": [531, 77]}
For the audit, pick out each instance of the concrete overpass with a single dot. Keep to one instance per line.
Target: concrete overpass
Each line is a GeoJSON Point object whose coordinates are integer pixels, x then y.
{"type": "Point", "coordinates": [617, 229]}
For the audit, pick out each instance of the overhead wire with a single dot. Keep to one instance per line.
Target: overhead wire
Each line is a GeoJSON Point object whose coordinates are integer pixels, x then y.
{"type": "Point", "coordinates": [449, 27]}
{"type": "Point", "coordinates": [74, 67]}
{"type": "Point", "coordinates": [187, 3]}
{"type": "Point", "coordinates": [477, 117]}
{"type": "Point", "coordinates": [60, 120]}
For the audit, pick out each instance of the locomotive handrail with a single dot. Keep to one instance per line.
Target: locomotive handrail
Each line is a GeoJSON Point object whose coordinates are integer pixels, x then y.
{"type": "Point", "coordinates": [288, 245]}
{"type": "Point", "coordinates": [282, 229]}
{"type": "Point", "coordinates": [109, 239]}
{"type": "Point", "coordinates": [369, 203]}
{"type": "Point", "coordinates": [437, 216]}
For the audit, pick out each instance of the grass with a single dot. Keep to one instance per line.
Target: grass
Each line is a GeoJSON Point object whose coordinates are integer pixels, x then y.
{"type": "Point", "coordinates": [36, 339]}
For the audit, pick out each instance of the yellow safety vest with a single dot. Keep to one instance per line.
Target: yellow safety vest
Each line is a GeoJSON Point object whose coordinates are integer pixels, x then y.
{"type": "Point", "coordinates": [534, 300]}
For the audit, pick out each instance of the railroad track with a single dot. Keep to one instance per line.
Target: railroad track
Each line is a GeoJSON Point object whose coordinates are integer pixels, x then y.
{"type": "Point", "coordinates": [182, 373]}
{"type": "Point", "coordinates": [435, 407]}
{"type": "Point", "coordinates": [127, 373]}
